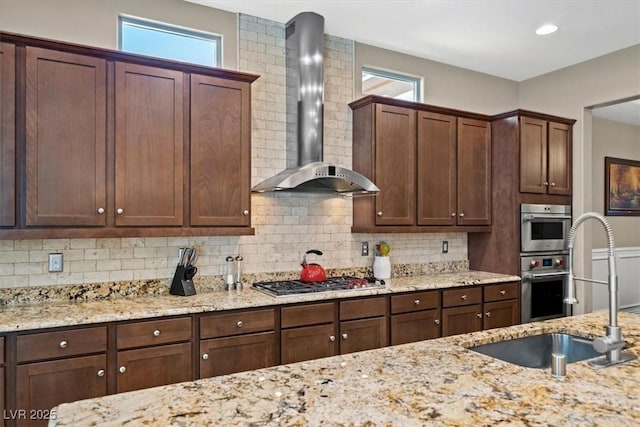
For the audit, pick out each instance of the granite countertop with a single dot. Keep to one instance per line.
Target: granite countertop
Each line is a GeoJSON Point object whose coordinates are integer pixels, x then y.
{"type": "Point", "coordinates": [434, 382]}
{"type": "Point", "coordinates": [55, 314]}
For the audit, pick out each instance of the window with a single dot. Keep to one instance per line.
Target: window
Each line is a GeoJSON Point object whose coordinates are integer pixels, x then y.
{"type": "Point", "coordinates": [387, 83]}
{"type": "Point", "coordinates": [165, 41]}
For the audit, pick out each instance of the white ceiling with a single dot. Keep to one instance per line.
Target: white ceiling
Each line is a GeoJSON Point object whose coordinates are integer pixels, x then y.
{"type": "Point", "coordinates": [495, 37]}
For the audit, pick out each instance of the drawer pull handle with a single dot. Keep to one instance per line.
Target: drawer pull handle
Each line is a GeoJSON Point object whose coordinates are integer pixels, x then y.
{"type": "Point", "coordinates": [245, 212]}
{"type": "Point", "coordinates": [332, 338]}
{"type": "Point", "coordinates": [156, 333]}
{"type": "Point", "coordinates": [463, 297]}
{"type": "Point", "coordinates": [240, 324]}
{"type": "Point", "coordinates": [503, 292]}
{"type": "Point", "coordinates": [205, 356]}
{"type": "Point", "coordinates": [122, 369]}
{"type": "Point", "coordinates": [101, 373]}
{"type": "Point", "coordinates": [545, 183]}
{"type": "Point", "coordinates": [100, 211]}
{"type": "Point", "coordinates": [345, 336]}
{"type": "Point", "coordinates": [453, 214]}
{"type": "Point", "coordinates": [379, 213]}
{"type": "Point", "coordinates": [488, 314]}
{"type": "Point", "coordinates": [120, 211]}
{"type": "Point", "coordinates": [479, 315]}
{"type": "Point", "coordinates": [436, 321]}
{"type": "Point", "coordinates": [416, 302]}
{"type": "Point", "coordinates": [64, 344]}
{"type": "Point", "coordinates": [461, 215]}
{"type": "Point", "coordinates": [553, 184]}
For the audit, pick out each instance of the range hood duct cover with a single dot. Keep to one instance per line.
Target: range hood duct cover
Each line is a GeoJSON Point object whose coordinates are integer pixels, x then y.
{"type": "Point", "coordinates": [305, 110]}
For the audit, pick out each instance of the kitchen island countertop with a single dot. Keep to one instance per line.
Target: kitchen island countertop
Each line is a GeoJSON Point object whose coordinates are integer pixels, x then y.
{"type": "Point", "coordinates": [434, 382]}
{"type": "Point", "coordinates": [57, 314]}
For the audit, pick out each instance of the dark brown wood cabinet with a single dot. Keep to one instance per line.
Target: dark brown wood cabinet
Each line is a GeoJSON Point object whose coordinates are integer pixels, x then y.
{"type": "Point", "coordinates": [220, 156]}
{"type": "Point", "coordinates": [149, 146]}
{"type": "Point", "coordinates": [432, 165]}
{"type": "Point", "coordinates": [363, 324]}
{"type": "Point", "coordinates": [237, 342]}
{"type": "Point", "coordinates": [462, 311]}
{"type": "Point", "coordinates": [501, 305]}
{"type": "Point", "coordinates": [308, 332]}
{"type": "Point", "coordinates": [415, 317]}
{"type": "Point", "coordinates": [65, 138]}
{"type": "Point", "coordinates": [7, 135]}
{"type": "Point", "coordinates": [2, 383]}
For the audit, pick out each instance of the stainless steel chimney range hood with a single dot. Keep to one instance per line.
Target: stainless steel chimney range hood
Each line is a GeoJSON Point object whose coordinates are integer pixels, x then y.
{"type": "Point", "coordinates": [305, 106]}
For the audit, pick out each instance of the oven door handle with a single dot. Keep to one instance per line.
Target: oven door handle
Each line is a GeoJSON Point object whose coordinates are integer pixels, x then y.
{"type": "Point", "coordinates": [546, 217]}
{"type": "Point", "coordinates": [543, 275]}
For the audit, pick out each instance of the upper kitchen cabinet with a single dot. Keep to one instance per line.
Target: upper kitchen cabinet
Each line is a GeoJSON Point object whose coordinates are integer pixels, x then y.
{"type": "Point", "coordinates": [7, 136]}
{"type": "Point", "coordinates": [65, 138]}
{"type": "Point", "coordinates": [114, 144]}
{"type": "Point", "coordinates": [432, 165]}
{"type": "Point", "coordinates": [220, 157]}
{"type": "Point", "coordinates": [545, 156]}
{"type": "Point", "coordinates": [149, 146]}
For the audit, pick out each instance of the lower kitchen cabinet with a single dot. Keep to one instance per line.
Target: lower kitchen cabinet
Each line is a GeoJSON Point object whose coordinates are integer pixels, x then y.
{"type": "Point", "coordinates": [501, 305]}
{"type": "Point", "coordinates": [462, 311]}
{"type": "Point", "coordinates": [363, 334]}
{"type": "Point", "coordinates": [2, 385]}
{"type": "Point", "coordinates": [43, 385]}
{"type": "Point", "coordinates": [222, 356]}
{"type": "Point", "coordinates": [153, 366]}
{"type": "Point", "coordinates": [418, 326]}
{"type": "Point", "coordinates": [308, 342]}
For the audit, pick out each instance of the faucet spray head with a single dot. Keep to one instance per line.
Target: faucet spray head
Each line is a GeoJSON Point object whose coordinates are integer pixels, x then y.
{"type": "Point", "coordinates": [570, 295]}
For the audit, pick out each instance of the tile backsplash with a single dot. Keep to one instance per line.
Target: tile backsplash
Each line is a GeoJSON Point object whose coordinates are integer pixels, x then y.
{"type": "Point", "coordinates": [286, 224]}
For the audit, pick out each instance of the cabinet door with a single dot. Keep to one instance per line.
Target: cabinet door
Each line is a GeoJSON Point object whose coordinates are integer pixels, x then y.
{"type": "Point", "coordinates": [436, 169]}
{"type": "Point", "coordinates": [559, 159]}
{"type": "Point", "coordinates": [220, 152]}
{"type": "Point", "coordinates": [533, 155]}
{"type": "Point", "coordinates": [153, 366]}
{"type": "Point", "coordinates": [502, 313]}
{"type": "Point", "coordinates": [395, 165]}
{"type": "Point", "coordinates": [41, 386]}
{"type": "Point", "coordinates": [7, 136]}
{"type": "Point", "coordinates": [416, 326]}
{"type": "Point", "coordinates": [222, 356]}
{"type": "Point", "coordinates": [461, 320]}
{"type": "Point", "coordinates": [149, 146]}
{"type": "Point", "coordinates": [65, 139]}
{"type": "Point", "coordinates": [306, 343]}
{"type": "Point", "coordinates": [474, 172]}
{"type": "Point", "coordinates": [364, 334]}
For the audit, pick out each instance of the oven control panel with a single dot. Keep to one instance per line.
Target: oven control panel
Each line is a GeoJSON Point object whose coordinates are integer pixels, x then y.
{"type": "Point", "coordinates": [544, 263]}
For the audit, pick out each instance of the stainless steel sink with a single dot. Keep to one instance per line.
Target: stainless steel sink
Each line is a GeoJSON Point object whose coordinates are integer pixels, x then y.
{"type": "Point", "coordinates": [535, 351]}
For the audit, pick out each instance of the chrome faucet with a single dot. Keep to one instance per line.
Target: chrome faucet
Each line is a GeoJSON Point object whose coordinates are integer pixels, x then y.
{"type": "Point", "coordinates": [612, 343]}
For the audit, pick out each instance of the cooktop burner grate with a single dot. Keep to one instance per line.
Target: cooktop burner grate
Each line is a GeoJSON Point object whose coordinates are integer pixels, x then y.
{"type": "Point", "coordinates": [297, 287]}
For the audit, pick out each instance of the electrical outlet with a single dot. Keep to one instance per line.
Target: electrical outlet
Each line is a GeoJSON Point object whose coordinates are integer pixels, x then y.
{"type": "Point", "coordinates": [56, 263]}
{"type": "Point", "coordinates": [445, 246]}
{"type": "Point", "coordinates": [364, 248]}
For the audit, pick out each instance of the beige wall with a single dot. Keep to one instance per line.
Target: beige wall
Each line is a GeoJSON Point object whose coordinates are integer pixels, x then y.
{"type": "Point", "coordinates": [442, 84]}
{"type": "Point", "coordinates": [613, 139]}
{"type": "Point", "coordinates": [95, 22]}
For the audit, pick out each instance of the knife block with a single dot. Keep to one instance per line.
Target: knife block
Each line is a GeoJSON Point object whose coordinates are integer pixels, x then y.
{"type": "Point", "coordinates": [181, 286]}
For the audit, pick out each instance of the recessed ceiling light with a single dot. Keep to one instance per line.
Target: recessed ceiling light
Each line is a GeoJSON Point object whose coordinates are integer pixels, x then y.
{"type": "Point", "coordinates": [547, 29]}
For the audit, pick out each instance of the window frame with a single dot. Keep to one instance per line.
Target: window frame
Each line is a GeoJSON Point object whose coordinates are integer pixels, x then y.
{"type": "Point", "coordinates": [416, 81]}
{"type": "Point", "coordinates": [173, 29]}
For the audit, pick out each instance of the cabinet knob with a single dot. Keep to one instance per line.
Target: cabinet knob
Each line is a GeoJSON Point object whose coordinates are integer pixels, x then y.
{"type": "Point", "coordinates": [552, 184]}
{"type": "Point", "coordinates": [120, 211]}
{"type": "Point", "coordinates": [100, 211]}
{"type": "Point", "coordinates": [545, 183]}
{"type": "Point", "coordinates": [122, 369]}
{"type": "Point", "coordinates": [416, 302]}
{"type": "Point", "coordinates": [332, 338]}
{"type": "Point", "coordinates": [479, 315]}
{"type": "Point", "coordinates": [463, 297]}
{"type": "Point", "coordinates": [156, 333]}
{"type": "Point", "coordinates": [205, 356]}
{"type": "Point", "coordinates": [240, 324]}
{"type": "Point", "coordinates": [345, 336]}
{"type": "Point", "coordinates": [379, 213]}
{"type": "Point", "coordinates": [63, 344]}
{"type": "Point", "coordinates": [503, 292]}
{"type": "Point", "coordinates": [245, 212]}
{"type": "Point", "coordinates": [436, 321]}
{"type": "Point", "coordinates": [453, 214]}
{"type": "Point", "coordinates": [488, 314]}
{"type": "Point", "coordinates": [101, 373]}
{"type": "Point", "coordinates": [461, 215]}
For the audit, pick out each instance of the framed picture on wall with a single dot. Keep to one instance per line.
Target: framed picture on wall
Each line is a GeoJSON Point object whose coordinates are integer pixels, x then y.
{"type": "Point", "coordinates": [621, 187]}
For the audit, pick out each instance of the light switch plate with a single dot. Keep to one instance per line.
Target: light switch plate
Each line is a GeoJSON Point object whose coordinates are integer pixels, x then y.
{"type": "Point", "coordinates": [55, 263]}
{"type": "Point", "coordinates": [445, 246]}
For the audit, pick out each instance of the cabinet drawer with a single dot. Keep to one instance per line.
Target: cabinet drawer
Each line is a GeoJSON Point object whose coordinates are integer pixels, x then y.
{"type": "Point", "coordinates": [361, 308]}
{"type": "Point", "coordinates": [142, 334]}
{"type": "Point", "coordinates": [308, 314]}
{"type": "Point", "coordinates": [415, 301]}
{"type": "Point", "coordinates": [49, 345]}
{"type": "Point", "coordinates": [465, 296]}
{"type": "Point", "coordinates": [501, 292]}
{"type": "Point", "coordinates": [237, 323]}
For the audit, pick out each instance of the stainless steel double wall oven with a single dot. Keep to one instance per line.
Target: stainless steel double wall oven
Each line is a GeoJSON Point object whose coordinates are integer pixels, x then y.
{"type": "Point", "coordinates": [544, 231]}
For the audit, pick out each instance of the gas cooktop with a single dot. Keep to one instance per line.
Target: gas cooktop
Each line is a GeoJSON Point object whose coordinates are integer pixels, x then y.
{"type": "Point", "coordinates": [331, 284]}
